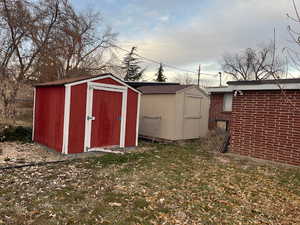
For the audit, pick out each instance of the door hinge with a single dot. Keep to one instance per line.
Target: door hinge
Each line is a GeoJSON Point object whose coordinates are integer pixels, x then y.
{"type": "Point", "coordinates": [90, 118]}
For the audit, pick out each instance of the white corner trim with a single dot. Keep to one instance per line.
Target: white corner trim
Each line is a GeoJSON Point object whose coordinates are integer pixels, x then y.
{"type": "Point", "coordinates": [66, 119]}
{"type": "Point", "coordinates": [103, 77]}
{"type": "Point", "coordinates": [33, 113]}
{"type": "Point", "coordinates": [138, 119]}
{"type": "Point", "coordinates": [88, 123]}
{"type": "Point", "coordinates": [110, 86]}
{"type": "Point", "coordinates": [123, 119]}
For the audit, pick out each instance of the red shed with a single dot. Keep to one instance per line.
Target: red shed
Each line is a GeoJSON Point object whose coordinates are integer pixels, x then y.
{"type": "Point", "coordinates": [84, 114]}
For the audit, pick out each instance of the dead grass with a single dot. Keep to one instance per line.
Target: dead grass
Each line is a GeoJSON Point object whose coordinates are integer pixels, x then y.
{"type": "Point", "coordinates": [168, 184]}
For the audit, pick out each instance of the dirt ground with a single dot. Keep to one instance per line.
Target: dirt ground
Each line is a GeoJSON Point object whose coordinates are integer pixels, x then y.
{"type": "Point", "coordinates": [14, 153]}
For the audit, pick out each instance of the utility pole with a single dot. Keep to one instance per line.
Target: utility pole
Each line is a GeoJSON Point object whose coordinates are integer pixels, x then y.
{"type": "Point", "coordinates": [199, 72]}
{"type": "Point", "coordinates": [220, 74]}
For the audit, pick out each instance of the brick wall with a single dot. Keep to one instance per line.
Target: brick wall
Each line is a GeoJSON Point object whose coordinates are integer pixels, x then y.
{"type": "Point", "coordinates": [216, 110]}
{"type": "Point", "coordinates": [265, 125]}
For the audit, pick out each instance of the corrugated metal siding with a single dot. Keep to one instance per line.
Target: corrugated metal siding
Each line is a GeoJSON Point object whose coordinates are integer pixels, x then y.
{"type": "Point", "coordinates": [49, 116]}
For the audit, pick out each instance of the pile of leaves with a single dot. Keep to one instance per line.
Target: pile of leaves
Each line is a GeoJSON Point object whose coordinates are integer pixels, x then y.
{"type": "Point", "coordinates": [167, 184]}
{"type": "Point", "coordinates": [19, 133]}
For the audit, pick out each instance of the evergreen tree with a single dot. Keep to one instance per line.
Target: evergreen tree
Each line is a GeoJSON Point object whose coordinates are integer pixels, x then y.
{"type": "Point", "coordinates": [130, 64]}
{"type": "Point", "coordinates": [160, 77]}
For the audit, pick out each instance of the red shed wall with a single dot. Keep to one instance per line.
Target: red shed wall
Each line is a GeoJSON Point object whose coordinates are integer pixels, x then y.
{"type": "Point", "coordinates": [131, 118]}
{"type": "Point", "coordinates": [77, 118]}
{"type": "Point", "coordinates": [265, 125]}
{"type": "Point", "coordinates": [216, 111]}
{"type": "Point", "coordinates": [49, 116]}
{"type": "Point", "coordinates": [78, 113]}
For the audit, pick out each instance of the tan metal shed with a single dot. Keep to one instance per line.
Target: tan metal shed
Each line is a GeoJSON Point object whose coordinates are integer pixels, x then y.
{"type": "Point", "coordinates": [173, 112]}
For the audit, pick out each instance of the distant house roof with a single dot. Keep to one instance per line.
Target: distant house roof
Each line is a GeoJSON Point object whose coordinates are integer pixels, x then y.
{"type": "Point", "coordinates": [258, 85]}
{"type": "Point", "coordinates": [259, 82]}
{"type": "Point", "coordinates": [71, 80]}
{"type": "Point", "coordinates": [166, 89]}
{"type": "Point", "coordinates": [137, 84]}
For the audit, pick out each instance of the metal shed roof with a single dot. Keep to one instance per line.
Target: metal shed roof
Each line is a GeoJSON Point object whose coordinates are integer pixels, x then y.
{"type": "Point", "coordinates": [166, 89]}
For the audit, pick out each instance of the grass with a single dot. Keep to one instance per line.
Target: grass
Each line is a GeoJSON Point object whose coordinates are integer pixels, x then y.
{"type": "Point", "coordinates": [167, 184]}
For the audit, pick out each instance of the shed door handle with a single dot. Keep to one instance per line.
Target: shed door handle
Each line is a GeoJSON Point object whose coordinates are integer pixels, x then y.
{"type": "Point", "coordinates": [91, 118]}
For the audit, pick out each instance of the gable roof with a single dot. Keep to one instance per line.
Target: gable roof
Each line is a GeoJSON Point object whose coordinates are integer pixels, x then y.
{"type": "Point", "coordinates": [69, 80]}
{"type": "Point", "coordinates": [83, 79]}
{"type": "Point", "coordinates": [166, 89]}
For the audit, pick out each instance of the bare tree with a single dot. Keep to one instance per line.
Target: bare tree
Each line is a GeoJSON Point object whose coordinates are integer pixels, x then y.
{"type": "Point", "coordinates": [253, 64]}
{"type": "Point", "coordinates": [77, 47]}
{"type": "Point", "coordinates": [19, 26]}
{"type": "Point", "coordinates": [293, 52]}
{"type": "Point", "coordinates": [45, 40]}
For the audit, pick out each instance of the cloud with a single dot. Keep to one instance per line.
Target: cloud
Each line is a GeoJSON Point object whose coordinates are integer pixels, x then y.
{"type": "Point", "coordinates": [186, 33]}
{"type": "Point", "coordinates": [164, 18]}
{"type": "Point", "coordinates": [223, 26]}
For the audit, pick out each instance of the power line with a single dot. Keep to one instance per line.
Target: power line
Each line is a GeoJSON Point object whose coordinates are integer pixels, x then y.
{"type": "Point", "coordinates": [165, 64]}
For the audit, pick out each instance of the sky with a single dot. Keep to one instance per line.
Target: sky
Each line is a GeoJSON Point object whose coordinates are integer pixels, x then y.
{"type": "Point", "coordinates": [192, 32]}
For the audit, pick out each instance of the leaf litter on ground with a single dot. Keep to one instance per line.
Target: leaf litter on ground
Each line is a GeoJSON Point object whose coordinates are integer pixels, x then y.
{"type": "Point", "coordinates": [162, 184]}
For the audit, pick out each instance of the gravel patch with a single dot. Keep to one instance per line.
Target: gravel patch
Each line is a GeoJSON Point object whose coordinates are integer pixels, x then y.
{"type": "Point", "coordinates": [14, 153]}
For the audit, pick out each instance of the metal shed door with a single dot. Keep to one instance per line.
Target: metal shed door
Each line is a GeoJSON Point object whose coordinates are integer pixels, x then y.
{"type": "Point", "coordinates": [106, 118]}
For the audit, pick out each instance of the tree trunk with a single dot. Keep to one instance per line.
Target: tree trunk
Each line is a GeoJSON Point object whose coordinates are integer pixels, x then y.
{"type": "Point", "coordinates": [8, 94]}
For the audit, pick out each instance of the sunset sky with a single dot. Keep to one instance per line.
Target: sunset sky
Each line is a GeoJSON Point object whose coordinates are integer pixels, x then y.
{"type": "Point", "coordinates": [187, 33]}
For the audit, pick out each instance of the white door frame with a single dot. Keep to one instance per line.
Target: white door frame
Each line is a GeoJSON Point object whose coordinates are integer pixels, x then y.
{"type": "Point", "coordinates": [91, 86]}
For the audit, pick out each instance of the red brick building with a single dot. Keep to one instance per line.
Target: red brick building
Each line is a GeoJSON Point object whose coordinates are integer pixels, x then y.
{"type": "Point", "coordinates": [220, 108]}
{"type": "Point", "coordinates": [265, 119]}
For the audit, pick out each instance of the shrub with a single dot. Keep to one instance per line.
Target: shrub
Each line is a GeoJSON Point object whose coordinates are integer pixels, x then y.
{"type": "Point", "coordinates": [19, 133]}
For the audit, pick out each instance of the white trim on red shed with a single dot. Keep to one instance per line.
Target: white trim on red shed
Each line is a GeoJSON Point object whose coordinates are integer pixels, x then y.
{"type": "Point", "coordinates": [67, 108]}
{"type": "Point", "coordinates": [138, 119]}
{"type": "Point", "coordinates": [89, 103]}
{"type": "Point", "coordinates": [89, 110]}
{"type": "Point", "coordinates": [33, 113]}
{"type": "Point", "coordinates": [100, 78]}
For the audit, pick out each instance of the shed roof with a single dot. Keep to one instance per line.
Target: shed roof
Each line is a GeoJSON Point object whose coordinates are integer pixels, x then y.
{"type": "Point", "coordinates": [70, 80]}
{"type": "Point", "coordinates": [82, 79]}
{"type": "Point", "coordinates": [167, 89]}
{"type": "Point", "coordinates": [137, 84]}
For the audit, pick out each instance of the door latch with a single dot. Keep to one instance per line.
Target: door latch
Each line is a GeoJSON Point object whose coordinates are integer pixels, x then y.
{"type": "Point", "coordinates": [90, 118]}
